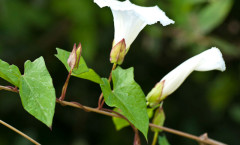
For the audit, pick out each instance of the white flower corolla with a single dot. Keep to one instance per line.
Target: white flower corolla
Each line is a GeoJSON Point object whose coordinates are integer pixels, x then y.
{"type": "Point", "coordinates": [210, 59]}
{"type": "Point", "coordinates": [130, 19]}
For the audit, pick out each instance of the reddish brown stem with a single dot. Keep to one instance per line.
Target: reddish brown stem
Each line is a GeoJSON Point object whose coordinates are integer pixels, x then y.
{"type": "Point", "coordinates": [100, 105]}
{"type": "Point", "coordinates": [173, 131]}
{"type": "Point", "coordinates": [137, 140]}
{"type": "Point", "coordinates": [64, 89]}
{"type": "Point", "coordinates": [200, 139]}
{"type": "Point", "coordinates": [187, 135]}
{"type": "Point", "coordinates": [9, 88]}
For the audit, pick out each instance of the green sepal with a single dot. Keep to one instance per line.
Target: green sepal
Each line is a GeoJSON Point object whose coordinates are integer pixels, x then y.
{"type": "Point", "coordinates": [118, 52]}
{"type": "Point", "coordinates": [154, 97]}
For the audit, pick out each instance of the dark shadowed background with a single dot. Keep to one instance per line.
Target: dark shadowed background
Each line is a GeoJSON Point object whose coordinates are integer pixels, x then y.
{"type": "Point", "coordinates": [206, 102]}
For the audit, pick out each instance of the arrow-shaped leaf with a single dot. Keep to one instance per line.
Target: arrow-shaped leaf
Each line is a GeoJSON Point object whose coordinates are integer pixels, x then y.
{"type": "Point", "coordinates": [37, 91]}
{"type": "Point", "coordinates": [128, 96]}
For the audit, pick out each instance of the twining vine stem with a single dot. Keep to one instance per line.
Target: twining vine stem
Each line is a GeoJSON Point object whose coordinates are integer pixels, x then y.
{"type": "Point", "coordinates": [19, 132]}
{"type": "Point", "coordinates": [173, 131]}
{"type": "Point", "coordinates": [102, 111]}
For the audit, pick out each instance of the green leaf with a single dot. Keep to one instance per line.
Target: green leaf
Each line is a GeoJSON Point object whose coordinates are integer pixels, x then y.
{"type": "Point", "coordinates": [37, 91]}
{"type": "Point", "coordinates": [118, 122]}
{"type": "Point", "coordinates": [128, 96]}
{"type": "Point", "coordinates": [90, 75]}
{"type": "Point", "coordinates": [83, 71]}
{"type": "Point", "coordinates": [213, 14]}
{"type": "Point", "coordinates": [10, 73]}
{"type": "Point", "coordinates": [162, 140]}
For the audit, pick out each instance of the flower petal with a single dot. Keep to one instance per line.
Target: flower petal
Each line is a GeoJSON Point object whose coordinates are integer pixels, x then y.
{"type": "Point", "coordinates": [213, 59]}
{"type": "Point", "coordinates": [127, 26]}
{"type": "Point", "coordinates": [150, 15]}
{"type": "Point", "coordinates": [130, 19]}
{"type": "Point", "coordinates": [208, 60]}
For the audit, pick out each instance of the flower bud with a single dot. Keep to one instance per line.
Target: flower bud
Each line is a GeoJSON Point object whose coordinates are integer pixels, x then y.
{"type": "Point", "coordinates": [159, 118]}
{"type": "Point", "coordinates": [118, 52]}
{"type": "Point", "coordinates": [74, 57]}
{"type": "Point", "coordinates": [78, 53]}
{"type": "Point", "coordinates": [154, 96]}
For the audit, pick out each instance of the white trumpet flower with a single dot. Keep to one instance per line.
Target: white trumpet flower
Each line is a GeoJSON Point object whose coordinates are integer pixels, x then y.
{"type": "Point", "coordinates": [208, 60]}
{"type": "Point", "coordinates": [130, 19]}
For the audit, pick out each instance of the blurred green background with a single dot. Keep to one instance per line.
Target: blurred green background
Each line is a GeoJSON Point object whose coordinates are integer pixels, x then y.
{"type": "Point", "coordinates": [206, 102]}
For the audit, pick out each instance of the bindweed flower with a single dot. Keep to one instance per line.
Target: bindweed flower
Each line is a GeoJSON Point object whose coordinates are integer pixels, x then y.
{"type": "Point", "coordinates": [208, 60]}
{"type": "Point", "coordinates": [130, 19]}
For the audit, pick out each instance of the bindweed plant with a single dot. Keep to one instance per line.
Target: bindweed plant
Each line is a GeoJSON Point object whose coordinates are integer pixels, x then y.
{"type": "Point", "coordinates": [120, 92]}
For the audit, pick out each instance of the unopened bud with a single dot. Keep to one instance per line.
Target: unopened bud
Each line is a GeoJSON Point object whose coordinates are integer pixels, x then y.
{"type": "Point", "coordinates": [154, 96]}
{"type": "Point", "coordinates": [118, 52]}
{"type": "Point", "coordinates": [74, 57]}
{"type": "Point", "coordinates": [78, 53]}
{"type": "Point", "coordinates": [159, 118]}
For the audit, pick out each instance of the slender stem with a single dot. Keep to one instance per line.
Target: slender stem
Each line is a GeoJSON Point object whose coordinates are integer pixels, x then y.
{"type": "Point", "coordinates": [19, 132]}
{"type": "Point", "coordinates": [113, 68]}
{"type": "Point", "coordinates": [187, 135]}
{"type": "Point", "coordinates": [119, 115]}
{"type": "Point", "coordinates": [64, 89]}
{"type": "Point", "coordinates": [173, 131]}
{"type": "Point", "coordinates": [155, 138]}
{"type": "Point", "coordinates": [9, 88]}
{"type": "Point", "coordinates": [137, 140]}
{"type": "Point", "coordinates": [89, 109]}
{"type": "Point", "coordinates": [101, 100]}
